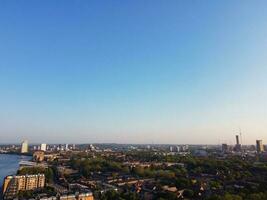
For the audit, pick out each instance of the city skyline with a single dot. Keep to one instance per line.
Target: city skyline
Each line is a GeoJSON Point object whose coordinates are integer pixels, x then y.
{"type": "Point", "coordinates": [43, 146]}
{"type": "Point", "coordinates": [133, 72]}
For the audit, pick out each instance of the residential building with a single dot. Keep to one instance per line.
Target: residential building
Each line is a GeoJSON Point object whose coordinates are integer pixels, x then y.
{"type": "Point", "coordinates": [86, 196]}
{"type": "Point", "coordinates": [83, 196]}
{"type": "Point", "coordinates": [259, 146]}
{"type": "Point", "coordinates": [13, 184]}
{"type": "Point", "coordinates": [24, 147]}
{"type": "Point", "coordinates": [43, 147]}
{"type": "Point", "coordinates": [238, 146]}
{"type": "Point", "coordinates": [38, 156]}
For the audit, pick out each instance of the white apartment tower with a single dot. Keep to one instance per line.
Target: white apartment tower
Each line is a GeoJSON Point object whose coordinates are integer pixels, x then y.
{"type": "Point", "coordinates": [43, 147]}
{"type": "Point", "coordinates": [24, 146]}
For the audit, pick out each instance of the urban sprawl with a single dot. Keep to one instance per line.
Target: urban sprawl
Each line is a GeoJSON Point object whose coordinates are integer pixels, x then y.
{"type": "Point", "coordinates": [138, 172]}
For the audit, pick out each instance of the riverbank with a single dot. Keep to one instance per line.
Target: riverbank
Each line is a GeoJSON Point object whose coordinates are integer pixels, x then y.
{"type": "Point", "coordinates": [16, 153]}
{"type": "Point", "coordinates": [9, 164]}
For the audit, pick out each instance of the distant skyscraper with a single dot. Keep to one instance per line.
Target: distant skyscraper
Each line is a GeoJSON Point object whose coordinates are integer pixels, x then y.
{"type": "Point", "coordinates": [259, 146]}
{"type": "Point", "coordinates": [238, 145]}
{"type": "Point", "coordinates": [178, 148]}
{"type": "Point", "coordinates": [43, 147]}
{"type": "Point", "coordinates": [237, 139]}
{"type": "Point", "coordinates": [171, 149]}
{"type": "Point", "coordinates": [24, 146]}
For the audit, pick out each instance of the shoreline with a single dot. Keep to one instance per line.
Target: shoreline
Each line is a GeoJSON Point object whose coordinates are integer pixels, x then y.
{"type": "Point", "coordinates": [17, 157]}
{"type": "Point", "coordinates": [16, 153]}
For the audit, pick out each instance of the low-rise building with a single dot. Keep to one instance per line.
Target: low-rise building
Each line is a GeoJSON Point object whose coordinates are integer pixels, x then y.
{"type": "Point", "coordinates": [38, 156]}
{"type": "Point", "coordinates": [82, 196]}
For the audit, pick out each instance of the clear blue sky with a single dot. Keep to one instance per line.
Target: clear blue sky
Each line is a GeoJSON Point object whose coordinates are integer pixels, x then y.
{"type": "Point", "coordinates": [133, 71]}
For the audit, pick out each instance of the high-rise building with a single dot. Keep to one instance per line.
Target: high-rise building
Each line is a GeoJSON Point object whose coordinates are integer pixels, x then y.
{"type": "Point", "coordinates": [171, 148]}
{"type": "Point", "coordinates": [237, 139]}
{"type": "Point", "coordinates": [238, 145]}
{"type": "Point", "coordinates": [43, 147]}
{"type": "Point", "coordinates": [13, 184]}
{"type": "Point", "coordinates": [259, 146]}
{"type": "Point", "coordinates": [178, 148]}
{"type": "Point", "coordinates": [24, 146]}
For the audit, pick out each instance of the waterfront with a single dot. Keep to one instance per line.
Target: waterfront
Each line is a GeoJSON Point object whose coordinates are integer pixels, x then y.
{"type": "Point", "coordinates": [9, 164]}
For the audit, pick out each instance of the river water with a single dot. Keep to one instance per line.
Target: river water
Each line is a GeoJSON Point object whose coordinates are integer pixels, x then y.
{"type": "Point", "coordinates": [9, 165]}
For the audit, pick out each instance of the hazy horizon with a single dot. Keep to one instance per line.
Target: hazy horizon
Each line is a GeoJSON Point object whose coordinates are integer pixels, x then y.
{"type": "Point", "coordinates": [110, 143]}
{"type": "Point", "coordinates": [190, 72]}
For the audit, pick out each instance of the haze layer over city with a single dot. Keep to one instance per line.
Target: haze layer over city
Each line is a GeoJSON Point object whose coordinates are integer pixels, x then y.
{"type": "Point", "coordinates": [176, 72]}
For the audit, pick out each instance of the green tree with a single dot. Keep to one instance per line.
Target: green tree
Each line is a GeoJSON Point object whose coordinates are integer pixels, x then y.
{"type": "Point", "coordinates": [188, 193]}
